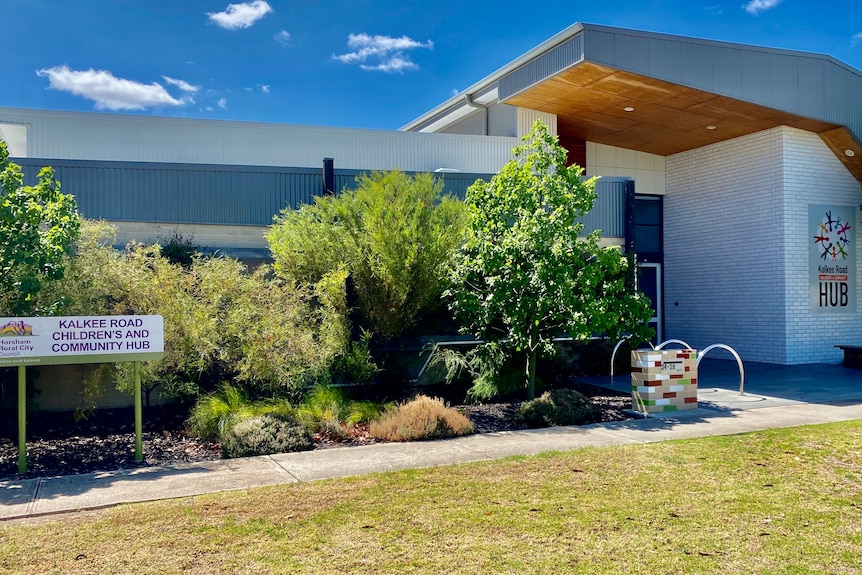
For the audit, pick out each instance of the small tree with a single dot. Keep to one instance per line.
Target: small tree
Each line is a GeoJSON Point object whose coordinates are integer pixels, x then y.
{"type": "Point", "coordinates": [524, 276]}
{"type": "Point", "coordinates": [38, 225]}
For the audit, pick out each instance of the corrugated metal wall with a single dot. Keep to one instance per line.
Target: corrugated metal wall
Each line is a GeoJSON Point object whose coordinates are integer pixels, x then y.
{"type": "Point", "coordinates": [454, 183]}
{"type": "Point", "coordinates": [526, 119]}
{"type": "Point", "coordinates": [609, 211]}
{"type": "Point", "coordinates": [126, 138]}
{"type": "Point", "coordinates": [187, 193]}
{"type": "Point", "coordinates": [241, 195]}
{"type": "Point", "coordinates": [502, 121]}
{"type": "Point", "coordinates": [545, 66]}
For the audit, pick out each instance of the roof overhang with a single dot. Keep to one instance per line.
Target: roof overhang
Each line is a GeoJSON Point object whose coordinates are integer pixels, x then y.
{"type": "Point", "coordinates": [667, 94]}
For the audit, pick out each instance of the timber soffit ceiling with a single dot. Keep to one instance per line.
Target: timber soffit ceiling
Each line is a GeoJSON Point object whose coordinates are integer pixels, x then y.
{"type": "Point", "coordinates": [666, 94]}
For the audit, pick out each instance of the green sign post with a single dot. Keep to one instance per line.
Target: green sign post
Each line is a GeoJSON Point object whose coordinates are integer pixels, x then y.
{"type": "Point", "coordinates": [72, 340]}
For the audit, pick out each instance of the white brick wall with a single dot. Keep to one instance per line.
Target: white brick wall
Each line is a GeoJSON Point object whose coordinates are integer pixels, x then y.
{"type": "Point", "coordinates": [813, 175]}
{"type": "Point", "coordinates": [736, 248]}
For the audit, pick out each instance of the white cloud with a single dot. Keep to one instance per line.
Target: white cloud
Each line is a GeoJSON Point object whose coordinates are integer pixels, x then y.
{"type": "Point", "coordinates": [856, 39]}
{"type": "Point", "coordinates": [282, 37]}
{"type": "Point", "coordinates": [108, 91]}
{"type": "Point", "coordinates": [385, 53]}
{"type": "Point", "coordinates": [237, 16]}
{"type": "Point", "coordinates": [222, 103]}
{"type": "Point", "coordinates": [757, 6]}
{"type": "Point", "coordinates": [265, 88]}
{"type": "Point", "coordinates": [395, 63]}
{"type": "Point", "coordinates": [181, 84]}
{"type": "Point", "coordinates": [455, 92]}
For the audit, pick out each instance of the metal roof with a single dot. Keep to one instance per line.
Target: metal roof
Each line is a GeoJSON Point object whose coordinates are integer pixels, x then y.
{"type": "Point", "coordinates": [664, 94]}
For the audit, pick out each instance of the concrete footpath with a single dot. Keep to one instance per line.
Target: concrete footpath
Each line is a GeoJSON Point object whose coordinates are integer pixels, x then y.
{"type": "Point", "coordinates": [722, 412]}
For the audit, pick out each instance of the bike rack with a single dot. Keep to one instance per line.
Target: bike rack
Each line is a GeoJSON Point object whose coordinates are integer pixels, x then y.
{"type": "Point", "coordinates": [700, 356]}
{"type": "Point", "coordinates": [614, 354]}
{"type": "Point", "coordinates": [667, 341]}
{"type": "Point", "coordinates": [735, 355]}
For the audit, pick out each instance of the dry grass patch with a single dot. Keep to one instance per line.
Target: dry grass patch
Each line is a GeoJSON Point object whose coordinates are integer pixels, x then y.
{"type": "Point", "coordinates": [421, 418]}
{"type": "Point", "coordinates": [782, 501]}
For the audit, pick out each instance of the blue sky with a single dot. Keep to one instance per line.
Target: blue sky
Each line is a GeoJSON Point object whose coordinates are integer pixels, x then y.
{"type": "Point", "coordinates": [340, 63]}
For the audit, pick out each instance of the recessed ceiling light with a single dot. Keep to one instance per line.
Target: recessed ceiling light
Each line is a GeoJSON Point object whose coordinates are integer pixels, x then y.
{"type": "Point", "coordinates": [629, 109]}
{"type": "Point", "coordinates": [710, 127]}
{"type": "Point", "coordinates": [849, 153]}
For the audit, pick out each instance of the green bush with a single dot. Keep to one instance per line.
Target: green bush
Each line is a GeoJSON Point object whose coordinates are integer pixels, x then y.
{"type": "Point", "coordinates": [421, 418]}
{"type": "Point", "coordinates": [221, 322]}
{"type": "Point", "coordinates": [180, 250]}
{"type": "Point", "coordinates": [393, 235]}
{"type": "Point", "coordinates": [327, 409]}
{"type": "Point", "coordinates": [215, 414]}
{"type": "Point", "coordinates": [558, 407]}
{"type": "Point", "coordinates": [264, 435]}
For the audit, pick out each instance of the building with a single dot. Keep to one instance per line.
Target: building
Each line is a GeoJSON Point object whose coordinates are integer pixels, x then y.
{"type": "Point", "coordinates": [732, 171]}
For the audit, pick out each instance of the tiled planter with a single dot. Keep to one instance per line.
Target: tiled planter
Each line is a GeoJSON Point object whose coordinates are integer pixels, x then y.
{"type": "Point", "coordinates": [664, 380]}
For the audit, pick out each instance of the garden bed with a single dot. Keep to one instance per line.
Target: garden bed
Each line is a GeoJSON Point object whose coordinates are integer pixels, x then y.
{"type": "Point", "coordinates": [63, 447]}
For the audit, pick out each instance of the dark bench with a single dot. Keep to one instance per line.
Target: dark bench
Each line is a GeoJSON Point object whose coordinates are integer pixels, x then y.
{"type": "Point", "coordinates": [852, 355]}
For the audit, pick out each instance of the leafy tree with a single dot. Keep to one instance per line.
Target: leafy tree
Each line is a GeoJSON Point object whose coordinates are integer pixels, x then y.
{"type": "Point", "coordinates": [524, 276]}
{"type": "Point", "coordinates": [393, 235]}
{"type": "Point", "coordinates": [37, 227]}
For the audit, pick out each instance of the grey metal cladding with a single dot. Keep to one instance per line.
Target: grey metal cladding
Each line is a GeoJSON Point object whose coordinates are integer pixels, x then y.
{"type": "Point", "coordinates": [543, 67]}
{"type": "Point", "coordinates": [180, 193]}
{"type": "Point", "coordinates": [454, 183]}
{"type": "Point", "coordinates": [810, 85]}
{"type": "Point", "coordinates": [608, 214]}
{"type": "Point", "coordinates": [811, 96]}
{"type": "Point", "coordinates": [197, 193]}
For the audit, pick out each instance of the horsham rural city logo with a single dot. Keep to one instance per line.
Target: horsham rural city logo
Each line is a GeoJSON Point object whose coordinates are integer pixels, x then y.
{"type": "Point", "coordinates": [831, 237]}
{"type": "Point", "coordinates": [16, 329]}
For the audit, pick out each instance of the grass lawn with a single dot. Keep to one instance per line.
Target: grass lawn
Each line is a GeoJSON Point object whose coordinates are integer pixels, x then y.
{"type": "Point", "coordinates": [781, 501]}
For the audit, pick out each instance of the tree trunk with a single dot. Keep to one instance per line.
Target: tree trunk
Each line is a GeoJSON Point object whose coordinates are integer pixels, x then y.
{"type": "Point", "coordinates": [531, 373]}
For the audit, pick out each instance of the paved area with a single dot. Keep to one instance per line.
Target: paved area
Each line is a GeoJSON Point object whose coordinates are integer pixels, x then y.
{"type": "Point", "coordinates": [775, 397]}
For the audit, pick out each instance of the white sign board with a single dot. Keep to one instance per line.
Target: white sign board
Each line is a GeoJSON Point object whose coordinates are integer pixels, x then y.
{"type": "Point", "coordinates": [832, 258]}
{"type": "Point", "coordinates": [71, 340]}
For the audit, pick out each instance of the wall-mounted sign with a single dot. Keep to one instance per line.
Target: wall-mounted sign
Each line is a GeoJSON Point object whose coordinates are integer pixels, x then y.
{"type": "Point", "coordinates": [832, 258]}
{"type": "Point", "coordinates": [71, 340]}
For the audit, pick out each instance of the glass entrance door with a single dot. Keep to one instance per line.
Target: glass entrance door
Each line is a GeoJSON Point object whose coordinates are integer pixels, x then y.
{"type": "Point", "coordinates": [649, 283]}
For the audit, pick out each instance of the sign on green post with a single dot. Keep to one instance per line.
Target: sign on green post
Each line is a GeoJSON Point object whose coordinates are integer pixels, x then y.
{"type": "Point", "coordinates": [72, 340]}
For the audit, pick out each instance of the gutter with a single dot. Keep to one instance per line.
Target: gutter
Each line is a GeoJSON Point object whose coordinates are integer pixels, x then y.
{"type": "Point", "coordinates": [468, 99]}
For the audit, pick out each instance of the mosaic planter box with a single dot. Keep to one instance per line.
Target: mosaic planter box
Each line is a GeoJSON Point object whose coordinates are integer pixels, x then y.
{"type": "Point", "coordinates": [664, 380]}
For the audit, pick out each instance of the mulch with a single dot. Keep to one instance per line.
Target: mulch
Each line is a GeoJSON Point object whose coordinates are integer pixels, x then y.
{"type": "Point", "coordinates": [58, 446]}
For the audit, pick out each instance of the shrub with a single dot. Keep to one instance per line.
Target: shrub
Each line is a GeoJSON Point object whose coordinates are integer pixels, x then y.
{"type": "Point", "coordinates": [393, 234]}
{"type": "Point", "coordinates": [264, 435]}
{"type": "Point", "coordinates": [215, 414]}
{"type": "Point", "coordinates": [558, 407]}
{"type": "Point", "coordinates": [221, 322]}
{"type": "Point", "coordinates": [421, 418]}
{"type": "Point", "coordinates": [327, 409]}
{"type": "Point", "coordinates": [180, 250]}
